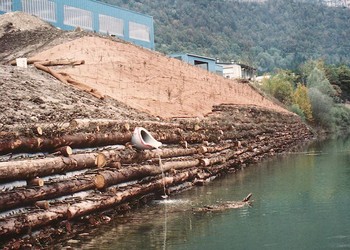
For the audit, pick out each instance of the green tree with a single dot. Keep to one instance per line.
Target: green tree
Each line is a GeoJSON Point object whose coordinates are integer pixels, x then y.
{"type": "Point", "coordinates": [321, 108]}
{"type": "Point", "coordinates": [318, 80]}
{"type": "Point", "coordinates": [279, 87]}
{"type": "Point", "coordinates": [302, 100]}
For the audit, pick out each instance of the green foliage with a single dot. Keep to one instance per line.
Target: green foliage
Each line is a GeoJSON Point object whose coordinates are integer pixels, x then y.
{"type": "Point", "coordinates": [280, 87]}
{"type": "Point", "coordinates": [341, 117]}
{"type": "Point", "coordinates": [318, 80]}
{"type": "Point", "coordinates": [340, 77]}
{"type": "Point", "coordinates": [297, 110]}
{"type": "Point", "coordinates": [269, 35]}
{"type": "Point", "coordinates": [321, 108]}
{"type": "Point", "coordinates": [302, 101]}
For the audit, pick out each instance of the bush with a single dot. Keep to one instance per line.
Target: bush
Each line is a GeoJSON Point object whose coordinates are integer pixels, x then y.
{"type": "Point", "coordinates": [321, 108]}
{"type": "Point", "coordinates": [302, 101]}
{"type": "Point", "coordinates": [341, 116]}
{"type": "Point", "coordinates": [297, 110]}
{"type": "Point", "coordinates": [279, 88]}
{"type": "Point", "coordinates": [318, 80]}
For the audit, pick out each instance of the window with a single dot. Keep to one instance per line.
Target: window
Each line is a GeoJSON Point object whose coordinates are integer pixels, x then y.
{"type": "Point", "coordinates": [111, 25]}
{"type": "Point", "coordinates": [41, 8]}
{"type": "Point", "coordinates": [139, 31]}
{"type": "Point", "coordinates": [6, 5]}
{"type": "Point", "coordinates": [77, 17]}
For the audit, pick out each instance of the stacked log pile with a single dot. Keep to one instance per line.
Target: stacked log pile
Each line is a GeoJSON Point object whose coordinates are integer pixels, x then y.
{"type": "Point", "coordinates": [87, 166]}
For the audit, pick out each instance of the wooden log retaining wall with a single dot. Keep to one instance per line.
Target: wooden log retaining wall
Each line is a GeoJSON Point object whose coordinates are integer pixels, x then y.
{"type": "Point", "coordinates": [195, 151]}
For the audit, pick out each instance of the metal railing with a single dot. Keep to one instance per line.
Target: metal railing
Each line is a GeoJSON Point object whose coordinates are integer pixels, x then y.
{"type": "Point", "coordinates": [90, 15]}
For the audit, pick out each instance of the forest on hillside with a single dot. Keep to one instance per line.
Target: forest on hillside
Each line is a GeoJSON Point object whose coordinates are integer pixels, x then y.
{"type": "Point", "coordinates": [269, 35]}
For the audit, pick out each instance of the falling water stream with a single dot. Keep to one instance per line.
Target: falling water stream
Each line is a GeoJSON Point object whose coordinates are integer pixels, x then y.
{"type": "Point", "coordinates": [163, 175]}
{"type": "Point", "coordinates": [300, 201]}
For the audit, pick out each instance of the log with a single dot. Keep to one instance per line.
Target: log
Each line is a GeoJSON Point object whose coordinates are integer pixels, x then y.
{"type": "Point", "coordinates": [51, 63]}
{"type": "Point", "coordinates": [101, 160]}
{"type": "Point", "coordinates": [83, 87]}
{"type": "Point", "coordinates": [29, 61]}
{"type": "Point", "coordinates": [19, 197]}
{"type": "Point", "coordinates": [65, 78]}
{"type": "Point", "coordinates": [59, 62]}
{"type": "Point", "coordinates": [226, 205]}
{"type": "Point", "coordinates": [38, 218]}
{"type": "Point", "coordinates": [38, 182]}
{"type": "Point", "coordinates": [114, 198]}
{"type": "Point", "coordinates": [29, 169]}
{"type": "Point", "coordinates": [51, 72]}
{"type": "Point", "coordinates": [37, 144]}
{"type": "Point", "coordinates": [65, 151]}
{"type": "Point", "coordinates": [108, 178]}
{"type": "Point", "coordinates": [42, 204]}
{"type": "Point", "coordinates": [124, 125]}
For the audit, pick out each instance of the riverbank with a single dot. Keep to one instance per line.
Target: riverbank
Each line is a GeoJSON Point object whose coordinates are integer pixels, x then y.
{"type": "Point", "coordinates": [76, 189]}
{"type": "Point", "coordinates": [66, 161]}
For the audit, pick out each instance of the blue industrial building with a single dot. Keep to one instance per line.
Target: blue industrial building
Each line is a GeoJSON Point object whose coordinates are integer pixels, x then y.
{"type": "Point", "coordinates": [203, 62]}
{"type": "Point", "coordinates": [89, 15]}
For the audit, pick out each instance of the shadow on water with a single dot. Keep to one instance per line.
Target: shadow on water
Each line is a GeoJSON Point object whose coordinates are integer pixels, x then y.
{"type": "Point", "coordinates": [301, 201]}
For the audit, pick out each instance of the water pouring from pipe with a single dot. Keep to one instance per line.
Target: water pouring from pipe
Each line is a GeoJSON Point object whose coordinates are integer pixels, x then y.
{"type": "Point", "coordinates": [142, 139]}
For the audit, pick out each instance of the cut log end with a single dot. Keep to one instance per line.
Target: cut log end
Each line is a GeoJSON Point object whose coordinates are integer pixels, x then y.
{"type": "Point", "coordinates": [100, 182]}
{"type": "Point", "coordinates": [39, 131]}
{"type": "Point", "coordinates": [65, 151]}
{"type": "Point", "coordinates": [38, 182]}
{"type": "Point", "coordinates": [101, 160]}
{"type": "Point", "coordinates": [204, 162]}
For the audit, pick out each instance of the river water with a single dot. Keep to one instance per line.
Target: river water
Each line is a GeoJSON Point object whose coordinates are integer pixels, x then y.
{"type": "Point", "coordinates": [301, 201]}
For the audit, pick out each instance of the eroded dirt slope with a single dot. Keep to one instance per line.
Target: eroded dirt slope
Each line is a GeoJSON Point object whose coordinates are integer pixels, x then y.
{"type": "Point", "coordinates": [32, 96]}
{"type": "Point", "coordinates": [142, 79]}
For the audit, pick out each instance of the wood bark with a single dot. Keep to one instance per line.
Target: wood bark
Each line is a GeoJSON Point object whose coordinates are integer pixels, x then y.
{"type": "Point", "coordinates": [108, 178]}
{"type": "Point", "coordinates": [114, 197]}
{"type": "Point", "coordinates": [52, 62]}
{"type": "Point", "coordinates": [65, 151]}
{"type": "Point", "coordinates": [38, 218]}
{"type": "Point", "coordinates": [20, 197]}
{"type": "Point", "coordinates": [36, 182]}
{"type": "Point", "coordinates": [65, 78]}
{"type": "Point", "coordinates": [38, 144]}
{"type": "Point", "coordinates": [29, 169]}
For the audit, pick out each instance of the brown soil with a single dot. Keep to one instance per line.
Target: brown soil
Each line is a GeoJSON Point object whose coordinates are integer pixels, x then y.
{"type": "Point", "coordinates": [142, 79]}
{"type": "Point", "coordinates": [31, 96]}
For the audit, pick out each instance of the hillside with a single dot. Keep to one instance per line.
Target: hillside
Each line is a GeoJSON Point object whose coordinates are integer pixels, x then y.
{"type": "Point", "coordinates": [137, 77]}
{"type": "Point", "coordinates": [272, 34]}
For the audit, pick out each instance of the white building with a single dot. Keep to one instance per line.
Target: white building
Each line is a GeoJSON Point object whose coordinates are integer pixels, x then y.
{"type": "Point", "coordinates": [238, 71]}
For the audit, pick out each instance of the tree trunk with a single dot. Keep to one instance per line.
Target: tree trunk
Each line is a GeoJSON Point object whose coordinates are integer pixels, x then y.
{"type": "Point", "coordinates": [19, 197]}
{"type": "Point", "coordinates": [38, 144]}
{"type": "Point", "coordinates": [108, 178]}
{"type": "Point", "coordinates": [94, 202]}
{"type": "Point", "coordinates": [29, 169]}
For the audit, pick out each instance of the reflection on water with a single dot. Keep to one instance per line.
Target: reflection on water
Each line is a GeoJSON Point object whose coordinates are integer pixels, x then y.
{"type": "Point", "coordinates": [300, 201]}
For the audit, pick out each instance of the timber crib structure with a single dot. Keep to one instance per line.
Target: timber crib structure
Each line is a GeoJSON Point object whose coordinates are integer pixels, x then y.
{"type": "Point", "coordinates": [58, 173]}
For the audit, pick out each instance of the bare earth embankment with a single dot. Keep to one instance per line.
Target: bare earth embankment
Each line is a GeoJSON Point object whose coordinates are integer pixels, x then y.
{"type": "Point", "coordinates": [65, 154]}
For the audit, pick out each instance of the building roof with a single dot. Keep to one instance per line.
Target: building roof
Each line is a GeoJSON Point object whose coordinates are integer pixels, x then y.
{"type": "Point", "coordinates": [193, 55]}
{"type": "Point", "coordinates": [240, 64]}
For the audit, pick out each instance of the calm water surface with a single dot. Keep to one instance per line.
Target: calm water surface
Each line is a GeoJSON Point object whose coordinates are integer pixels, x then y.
{"type": "Point", "coordinates": [301, 201]}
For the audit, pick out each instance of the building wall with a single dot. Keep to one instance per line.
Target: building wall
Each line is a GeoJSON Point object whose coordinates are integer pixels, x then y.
{"type": "Point", "coordinates": [89, 15]}
{"type": "Point", "coordinates": [232, 71]}
{"type": "Point", "coordinates": [199, 61]}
